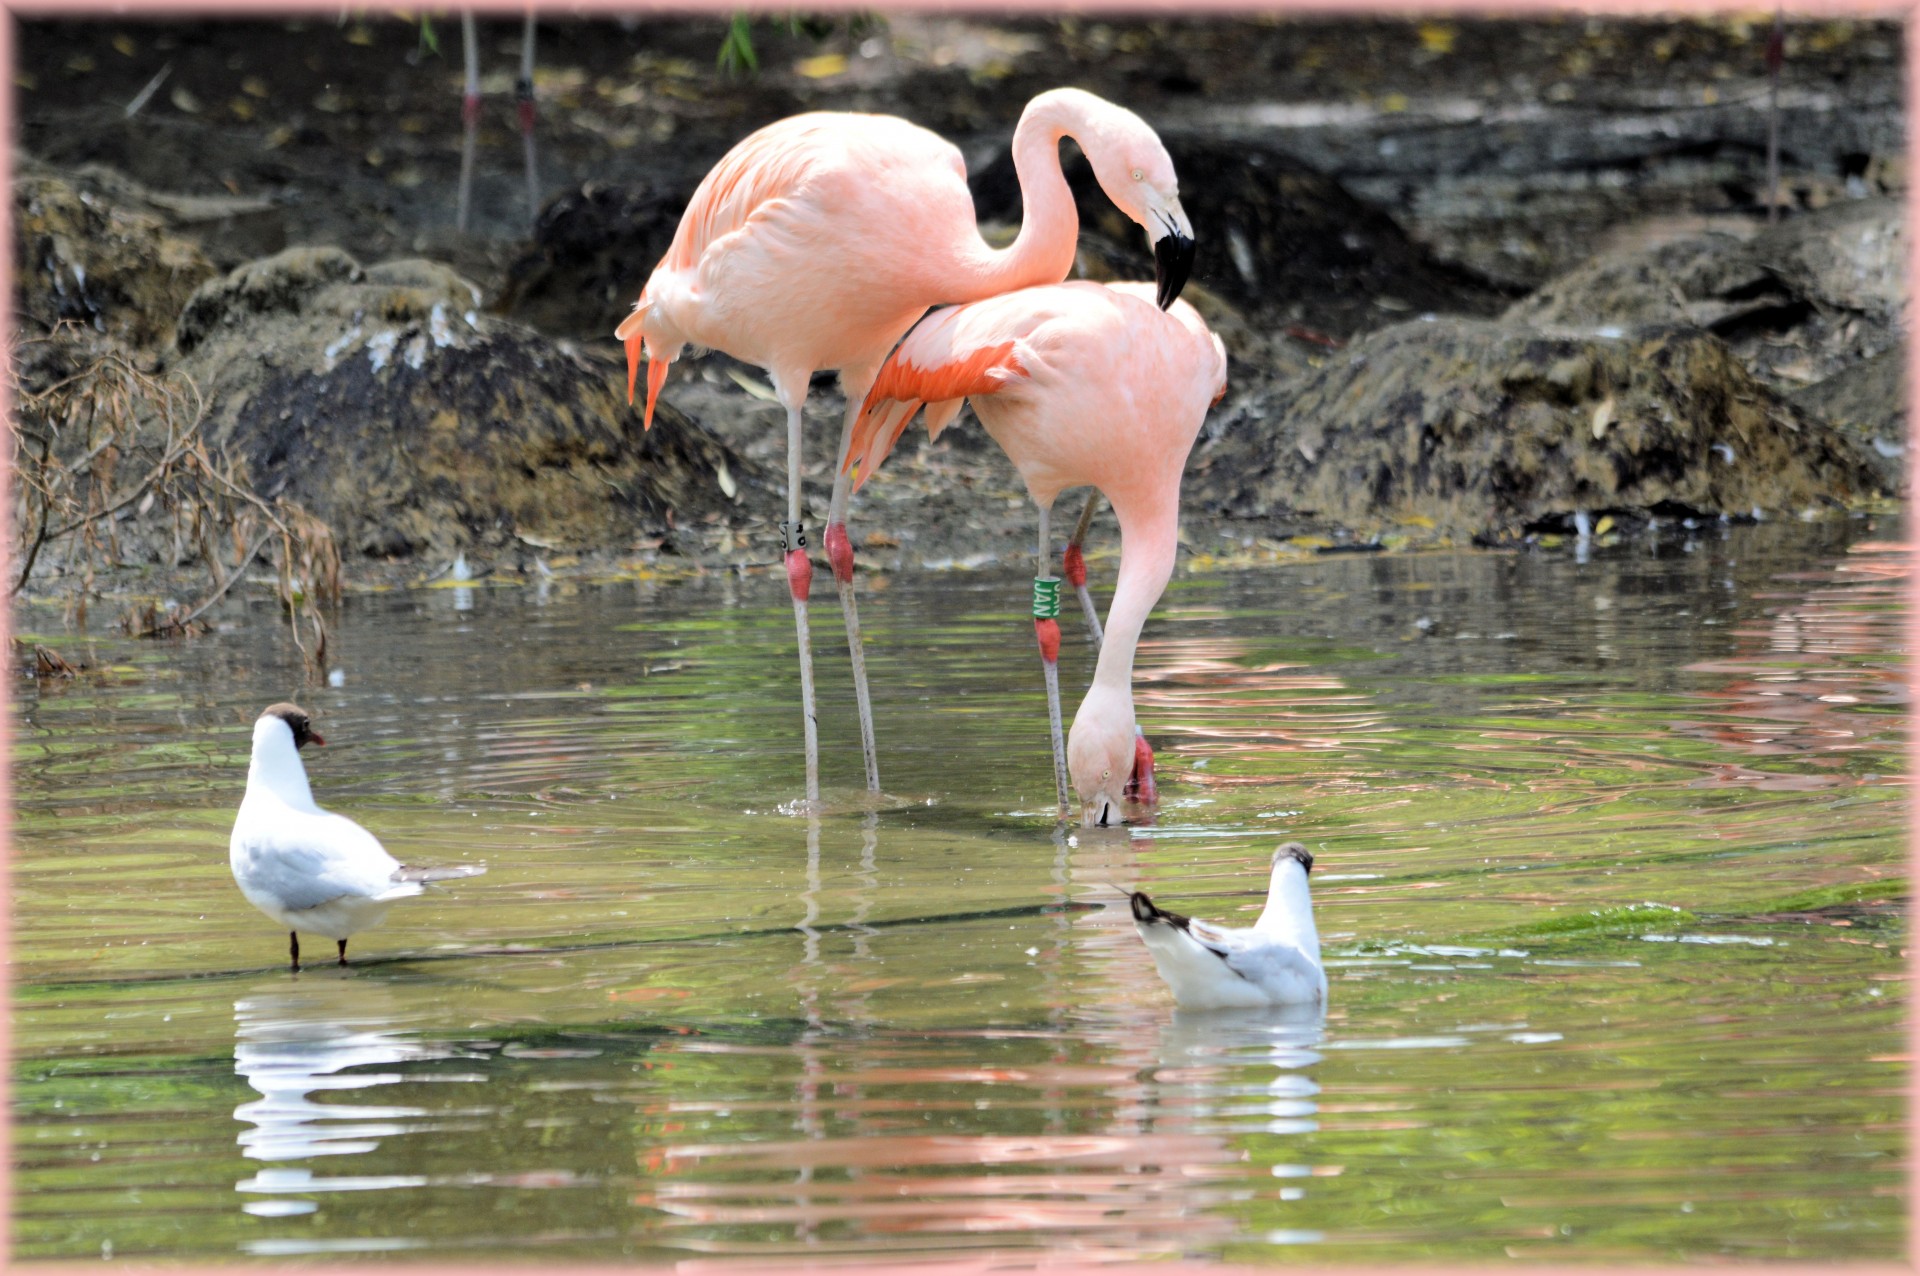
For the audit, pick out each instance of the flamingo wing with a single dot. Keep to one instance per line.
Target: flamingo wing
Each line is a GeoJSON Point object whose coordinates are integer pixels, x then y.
{"type": "Point", "coordinates": [772, 163]}
{"type": "Point", "coordinates": [768, 165]}
{"type": "Point", "coordinates": [937, 368]}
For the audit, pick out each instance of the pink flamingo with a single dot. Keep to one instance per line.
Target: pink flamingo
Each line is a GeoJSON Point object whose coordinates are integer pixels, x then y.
{"type": "Point", "coordinates": [818, 240]}
{"type": "Point", "coordinates": [1079, 383]}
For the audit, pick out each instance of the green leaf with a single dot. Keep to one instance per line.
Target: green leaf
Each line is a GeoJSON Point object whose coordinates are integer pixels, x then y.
{"type": "Point", "coordinates": [736, 51]}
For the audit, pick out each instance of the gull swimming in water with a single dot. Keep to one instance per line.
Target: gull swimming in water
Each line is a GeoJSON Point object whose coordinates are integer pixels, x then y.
{"type": "Point", "coordinates": [306, 868]}
{"type": "Point", "coordinates": [1276, 963]}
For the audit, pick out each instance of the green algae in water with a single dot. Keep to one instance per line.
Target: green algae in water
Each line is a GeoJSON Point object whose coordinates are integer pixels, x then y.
{"type": "Point", "coordinates": [672, 1022]}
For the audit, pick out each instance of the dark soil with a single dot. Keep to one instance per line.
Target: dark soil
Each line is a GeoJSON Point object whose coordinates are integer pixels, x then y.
{"type": "Point", "coordinates": [1346, 176]}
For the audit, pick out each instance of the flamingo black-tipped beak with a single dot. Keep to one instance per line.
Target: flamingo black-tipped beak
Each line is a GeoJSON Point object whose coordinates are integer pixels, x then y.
{"type": "Point", "coordinates": [1100, 812]}
{"type": "Point", "coordinates": [1172, 264]}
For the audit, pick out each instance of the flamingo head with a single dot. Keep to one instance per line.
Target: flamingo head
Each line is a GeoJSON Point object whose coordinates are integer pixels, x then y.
{"type": "Point", "coordinates": [1133, 168]}
{"type": "Point", "coordinates": [1101, 754]}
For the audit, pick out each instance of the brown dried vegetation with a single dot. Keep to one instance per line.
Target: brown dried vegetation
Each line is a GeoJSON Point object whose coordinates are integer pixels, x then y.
{"type": "Point", "coordinates": [109, 462]}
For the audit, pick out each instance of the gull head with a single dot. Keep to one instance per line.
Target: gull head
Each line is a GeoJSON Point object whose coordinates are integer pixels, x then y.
{"type": "Point", "coordinates": [298, 721]}
{"type": "Point", "coordinates": [1293, 851]}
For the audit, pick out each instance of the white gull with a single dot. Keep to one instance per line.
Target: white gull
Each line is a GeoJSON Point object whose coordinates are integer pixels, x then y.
{"type": "Point", "coordinates": [306, 868]}
{"type": "Point", "coordinates": [1275, 963]}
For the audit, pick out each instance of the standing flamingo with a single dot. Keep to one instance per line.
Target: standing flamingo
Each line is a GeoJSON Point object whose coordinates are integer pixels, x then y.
{"type": "Point", "coordinates": [818, 240]}
{"type": "Point", "coordinates": [1079, 383]}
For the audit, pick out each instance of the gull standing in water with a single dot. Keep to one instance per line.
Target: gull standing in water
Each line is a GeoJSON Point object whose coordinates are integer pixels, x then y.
{"type": "Point", "coordinates": [1276, 963]}
{"type": "Point", "coordinates": [306, 868]}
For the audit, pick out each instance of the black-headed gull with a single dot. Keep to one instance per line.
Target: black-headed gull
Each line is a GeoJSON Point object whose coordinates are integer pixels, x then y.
{"type": "Point", "coordinates": [306, 868]}
{"type": "Point", "coordinates": [1277, 962]}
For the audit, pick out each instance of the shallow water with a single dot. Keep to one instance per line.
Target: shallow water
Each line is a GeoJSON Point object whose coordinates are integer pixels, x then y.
{"type": "Point", "coordinates": [1610, 875]}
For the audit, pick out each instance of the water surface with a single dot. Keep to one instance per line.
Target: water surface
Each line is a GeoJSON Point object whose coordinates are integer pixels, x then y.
{"type": "Point", "coordinates": [1609, 873]}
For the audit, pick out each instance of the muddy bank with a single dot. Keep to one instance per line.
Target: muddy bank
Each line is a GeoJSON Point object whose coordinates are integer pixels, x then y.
{"type": "Point", "coordinates": [1486, 431]}
{"type": "Point", "coordinates": [1344, 177]}
{"type": "Point", "coordinates": [384, 402]}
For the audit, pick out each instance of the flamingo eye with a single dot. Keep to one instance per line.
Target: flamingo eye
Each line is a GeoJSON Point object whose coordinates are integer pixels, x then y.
{"type": "Point", "coordinates": [1139, 176]}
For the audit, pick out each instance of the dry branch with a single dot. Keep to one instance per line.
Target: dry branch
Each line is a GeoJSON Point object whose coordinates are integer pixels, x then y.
{"type": "Point", "coordinates": [101, 416]}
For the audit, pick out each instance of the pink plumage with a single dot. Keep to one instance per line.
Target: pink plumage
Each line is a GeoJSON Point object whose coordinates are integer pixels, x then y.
{"type": "Point", "coordinates": [1079, 383]}
{"type": "Point", "coordinates": [818, 240]}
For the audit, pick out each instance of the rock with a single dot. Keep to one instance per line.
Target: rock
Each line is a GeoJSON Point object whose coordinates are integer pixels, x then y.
{"type": "Point", "coordinates": [230, 229]}
{"type": "Point", "coordinates": [84, 257]}
{"type": "Point", "coordinates": [1487, 430]}
{"type": "Point", "coordinates": [1711, 279]}
{"type": "Point", "coordinates": [1868, 402]}
{"type": "Point", "coordinates": [1850, 256]}
{"type": "Point", "coordinates": [283, 284]}
{"type": "Point", "coordinates": [1798, 302]}
{"type": "Point", "coordinates": [386, 404]}
{"type": "Point", "coordinates": [593, 248]}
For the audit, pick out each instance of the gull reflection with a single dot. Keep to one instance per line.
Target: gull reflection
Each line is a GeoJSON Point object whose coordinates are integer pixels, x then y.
{"type": "Point", "coordinates": [324, 1036]}
{"type": "Point", "coordinates": [1239, 1071]}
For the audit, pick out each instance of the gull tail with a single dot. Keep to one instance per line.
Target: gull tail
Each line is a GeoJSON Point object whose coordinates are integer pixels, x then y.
{"type": "Point", "coordinates": [408, 873]}
{"type": "Point", "coordinates": [1147, 913]}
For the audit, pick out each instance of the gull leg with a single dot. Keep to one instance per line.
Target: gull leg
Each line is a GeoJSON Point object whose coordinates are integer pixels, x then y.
{"type": "Point", "coordinates": [1074, 567]}
{"type": "Point", "coordinates": [840, 554]}
{"type": "Point", "coordinates": [1046, 630]}
{"type": "Point", "coordinates": [799, 582]}
{"type": "Point", "coordinates": [470, 117]}
{"type": "Point", "coordinates": [293, 947]}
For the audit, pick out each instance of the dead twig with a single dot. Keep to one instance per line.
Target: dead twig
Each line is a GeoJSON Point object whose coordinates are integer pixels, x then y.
{"type": "Point", "coordinates": [94, 415]}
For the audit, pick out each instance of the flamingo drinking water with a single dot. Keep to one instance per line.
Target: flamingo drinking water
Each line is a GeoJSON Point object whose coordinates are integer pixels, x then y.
{"type": "Point", "coordinates": [820, 239]}
{"type": "Point", "coordinates": [1079, 383]}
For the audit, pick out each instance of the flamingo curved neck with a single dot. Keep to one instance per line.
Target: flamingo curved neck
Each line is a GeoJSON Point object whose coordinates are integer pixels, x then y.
{"type": "Point", "coordinates": [1148, 542]}
{"type": "Point", "coordinates": [1043, 251]}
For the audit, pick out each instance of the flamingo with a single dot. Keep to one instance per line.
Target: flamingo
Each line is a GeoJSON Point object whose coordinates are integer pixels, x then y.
{"type": "Point", "coordinates": [816, 242]}
{"type": "Point", "coordinates": [1079, 383]}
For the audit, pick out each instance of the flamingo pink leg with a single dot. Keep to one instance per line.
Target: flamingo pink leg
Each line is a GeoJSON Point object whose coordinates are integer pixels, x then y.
{"type": "Point", "coordinates": [1074, 567]}
{"type": "Point", "coordinates": [1140, 786]}
{"type": "Point", "coordinates": [840, 555]}
{"type": "Point", "coordinates": [470, 117]}
{"type": "Point", "coordinates": [1046, 631]}
{"type": "Point", "coordinates": [799, 583]}
{"type": "Point", "coordinates": [523, 90]}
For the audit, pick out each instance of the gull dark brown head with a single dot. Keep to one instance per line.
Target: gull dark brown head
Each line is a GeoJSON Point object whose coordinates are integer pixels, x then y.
{"type": "Point", "coordinates": [1294, 850]}
{"type": "Point", "coordinates": [297, 721]}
